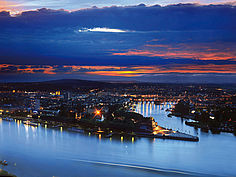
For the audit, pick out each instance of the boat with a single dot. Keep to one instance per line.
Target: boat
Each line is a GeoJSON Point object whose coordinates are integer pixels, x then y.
{"type": "Point", "coordinates": [7, 119]}
{"type": "Point", "coordinates": [75, 129]}
{"type": "Point", "coordinates": [27, 122]}
{"type": "Point", "coordinates": [109, 135]}
{"type": "Point", "coordinates": [56, 126]}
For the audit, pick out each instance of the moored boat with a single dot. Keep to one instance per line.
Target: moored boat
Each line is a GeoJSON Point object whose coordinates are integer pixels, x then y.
{"type": "Point", "coordinates": [75, 129]}
{"type": "Point", "coordinates": [7, 119]}
{"type": "Point", "coordinates": [27, 122]}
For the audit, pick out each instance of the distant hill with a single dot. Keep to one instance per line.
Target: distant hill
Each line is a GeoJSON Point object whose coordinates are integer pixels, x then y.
{"type": "Point", "coordinates": [78, 84]}
{"type": "Point", "coordinates": [64, 84]}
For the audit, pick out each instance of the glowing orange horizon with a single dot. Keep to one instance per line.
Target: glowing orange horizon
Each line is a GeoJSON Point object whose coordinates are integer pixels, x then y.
{"type": "Point", "coordinates": [128, 71]}
{"type": "Point", "coordinates": [12, 7]}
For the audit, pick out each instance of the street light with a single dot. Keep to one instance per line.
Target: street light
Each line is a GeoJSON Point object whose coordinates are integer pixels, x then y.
{"type": "Point", "coordinates": [97, 112]}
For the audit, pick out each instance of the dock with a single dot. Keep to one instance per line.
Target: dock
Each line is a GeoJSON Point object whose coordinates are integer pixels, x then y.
{"type": "Point", "coordinates": [173, 135]}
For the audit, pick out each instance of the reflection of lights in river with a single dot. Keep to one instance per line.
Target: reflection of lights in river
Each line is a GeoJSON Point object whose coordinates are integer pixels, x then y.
{"type": "Point", "coordinates": [159, 112]}
{"type": "Point", "coordinates": [139, 108]}
{"type": "Point", "coordinates": [26, 128]}
{"type": "Point", "coordinates": [143, 108]}
{"type": "Point", "coordinates": [151, 109]}
{"type": "Point", "coordinates": [146, 109]}
{"type": "Point", "coordinates": [26, 131]}
{"type": "Point", "coordinates": [33, 128]}
{"type": "Point", "coordinates": [132, 139]}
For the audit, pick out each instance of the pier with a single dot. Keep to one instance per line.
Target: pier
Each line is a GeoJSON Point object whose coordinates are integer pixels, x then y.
{"type": "Point", "coordinates": [173, 136]}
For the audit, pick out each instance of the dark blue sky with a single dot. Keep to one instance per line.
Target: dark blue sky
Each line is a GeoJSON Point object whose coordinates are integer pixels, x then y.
{"type": "Point", "coordinates": [174, 43]}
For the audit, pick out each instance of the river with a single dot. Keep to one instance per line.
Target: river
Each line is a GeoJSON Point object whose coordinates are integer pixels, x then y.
{"type": "Point", "coordinates": [43, 152]}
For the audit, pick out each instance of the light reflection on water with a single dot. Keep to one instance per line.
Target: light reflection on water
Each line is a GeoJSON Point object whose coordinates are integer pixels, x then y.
{"type": "Point", "coordinates": [40, 151]}
{"type": "Point", "coordinates": [160, 114]}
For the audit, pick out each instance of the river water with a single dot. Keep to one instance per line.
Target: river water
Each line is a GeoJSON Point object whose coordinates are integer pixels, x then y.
{"type": "Point", "coordinates": [42, 152]}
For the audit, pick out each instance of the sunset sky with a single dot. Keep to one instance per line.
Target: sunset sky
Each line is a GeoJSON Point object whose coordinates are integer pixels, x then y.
{"type": "Point", "coordinates": [22, 5]}
{"type": "Point", "coordinates": [118, 41]}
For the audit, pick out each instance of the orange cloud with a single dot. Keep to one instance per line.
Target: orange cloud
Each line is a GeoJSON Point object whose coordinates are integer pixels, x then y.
{"type": "Point", "coordinates": [209, 68]}
{"type": "Point", "coordinates": [128, 71]}
{"type": "Point", "coordinates": [3, 4]}
{"type": "Point", "coordinates": [9, 6]}
{"type": "Point", "coordinates": [31, 69]}
{"type": "Point", "coordinates": [142, 70]}
{"type": "Point", "coordinates": [190, 51]}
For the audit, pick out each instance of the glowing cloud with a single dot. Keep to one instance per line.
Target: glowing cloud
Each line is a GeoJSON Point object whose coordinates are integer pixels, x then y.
{"type": "Point", "coordinates": [184, 51]}
{"type": "Point", "coordinates": [128, 71]}
{"type": "Point", "coordinates": [13, 7]}
{"type": "Point", "coordinates": [106, 30]}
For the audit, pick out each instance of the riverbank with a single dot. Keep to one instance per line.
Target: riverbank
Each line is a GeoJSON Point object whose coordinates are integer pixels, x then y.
{"type": "Point", "coordinates": [156, 132]}
{"type": "Point", "coordinates": [216, 118]}
{"type": "Point", "coordinates": [206, 128]}
{"type": "Point", "coordinates": [5, 173]}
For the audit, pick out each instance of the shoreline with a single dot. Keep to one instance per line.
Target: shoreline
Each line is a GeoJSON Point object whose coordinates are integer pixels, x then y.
{"type": "Point", "coordinates": [200, 125]}
{"type": "Point", "coordinates": [57, 124]}
{"type": "Point", "coordinates": [5, 173]}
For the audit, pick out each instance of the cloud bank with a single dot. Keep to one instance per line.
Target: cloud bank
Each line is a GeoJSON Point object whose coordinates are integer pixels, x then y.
{"type": "Point", "coordinates": [120, 41]}
{"type": "Point", "coordinates": [138, 18]}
